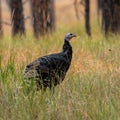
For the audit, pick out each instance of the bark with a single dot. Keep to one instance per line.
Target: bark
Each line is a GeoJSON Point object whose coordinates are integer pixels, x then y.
{"type": "Point", "coordinates": [106, 16]}
{"type": "Point", "coordinates": [115, 17]}
{"type": "Point", "coordinates": [51, 18]}
{"type": "Point", "coordinates": [43, 16]}
{"type": "Point", "coordinates": [18, 26]}
{"type": "Point", "coordinates": [87, 17]}
{"type": "Point", "coordinates": [111, 16]}
{"type": "Point", "coordinates": [35, 5]}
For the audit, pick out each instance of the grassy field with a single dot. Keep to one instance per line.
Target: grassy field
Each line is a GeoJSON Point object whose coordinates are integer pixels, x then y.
{"type": "Point", "coordinates": [90, 91]}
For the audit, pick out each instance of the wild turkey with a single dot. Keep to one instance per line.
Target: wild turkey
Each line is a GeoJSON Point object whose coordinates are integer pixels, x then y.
{"type": "Point", "coordinates": [50, 70]}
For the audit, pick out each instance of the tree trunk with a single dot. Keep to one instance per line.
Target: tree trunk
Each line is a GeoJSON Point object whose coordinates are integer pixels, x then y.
{"type": "Point", "coordinates": [37, 26]}
{"type": "Point", "coordinates": [99, 5]}
{"type": "Point", "coordinates": [115, 17]}
{"type": "Point", "coordinates": [18, 26]}
{"type": "Point", "coordinates": [43, 16]}
{"type": "Point", "coordinates": [51, 14]}
{"type": "Point", "coordinates": [1, 31]}
{"type": "Point", "coordinates": [106, 16]}
{"type": "Point", "coordinates": [111, 16]}
{"type": "Point", "coordinates": [87, 17]}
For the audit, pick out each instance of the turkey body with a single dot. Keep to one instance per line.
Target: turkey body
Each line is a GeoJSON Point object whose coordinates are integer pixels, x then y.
{"type": "Point", "coordinates": [50, 70]}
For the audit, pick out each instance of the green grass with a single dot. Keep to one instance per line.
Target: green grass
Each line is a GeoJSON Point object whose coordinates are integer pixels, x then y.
{"type": "Point", "coordinates": [90, 91]}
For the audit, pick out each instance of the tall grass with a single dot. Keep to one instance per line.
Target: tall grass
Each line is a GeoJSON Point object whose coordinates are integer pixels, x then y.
{"type": "Point", "coordinates": [90, 91]}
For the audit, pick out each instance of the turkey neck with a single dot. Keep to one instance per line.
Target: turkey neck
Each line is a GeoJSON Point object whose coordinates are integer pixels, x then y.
{"type": "Point", "coordinates": [67, 48]}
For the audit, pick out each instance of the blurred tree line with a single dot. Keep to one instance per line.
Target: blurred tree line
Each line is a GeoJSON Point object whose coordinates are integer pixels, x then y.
{"type": "Point", "coordinates": [43, 16]}
{"type": "Point", "coordinates": [110, 15]}
{"type": "Point", "coordinates": [109, 10]}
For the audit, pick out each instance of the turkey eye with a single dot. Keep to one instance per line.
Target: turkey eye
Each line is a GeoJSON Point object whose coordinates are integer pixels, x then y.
{"type": "Point", "coordinates": [70, 33]}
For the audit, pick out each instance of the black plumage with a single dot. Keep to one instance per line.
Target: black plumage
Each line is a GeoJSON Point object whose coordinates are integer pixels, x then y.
{"type": "Point", "coordinates": [50, 70]}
